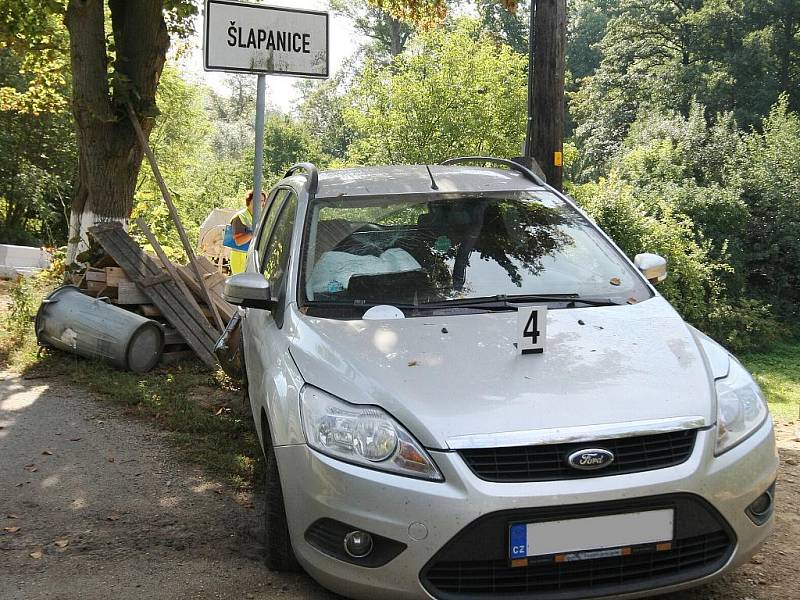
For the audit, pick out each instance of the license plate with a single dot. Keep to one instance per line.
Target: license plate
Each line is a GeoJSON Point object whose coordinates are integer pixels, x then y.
{"type": "Point", "coordinates": [592, 534]}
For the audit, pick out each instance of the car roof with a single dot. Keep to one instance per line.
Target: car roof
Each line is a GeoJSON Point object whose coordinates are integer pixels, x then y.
{"type": "Point", "coordinates": [414, 179]}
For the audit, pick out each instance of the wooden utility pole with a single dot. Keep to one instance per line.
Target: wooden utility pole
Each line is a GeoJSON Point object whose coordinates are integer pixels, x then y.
{"type": "Point", "coordinates": [544, 141]}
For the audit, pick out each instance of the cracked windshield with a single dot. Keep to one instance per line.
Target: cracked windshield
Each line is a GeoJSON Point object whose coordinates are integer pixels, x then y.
{"type": "Point", "coordinates": [414, 252]}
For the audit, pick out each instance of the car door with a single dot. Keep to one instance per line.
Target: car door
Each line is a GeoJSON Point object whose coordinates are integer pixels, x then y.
{"type": "Point", "coordinates": [265, 344]}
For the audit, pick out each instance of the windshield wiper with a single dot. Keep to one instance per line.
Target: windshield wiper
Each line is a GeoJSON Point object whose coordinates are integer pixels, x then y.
{"type": "Point", "coordinates": [499, 302]}
{"type": "Point", "coordinates": [505, 302]}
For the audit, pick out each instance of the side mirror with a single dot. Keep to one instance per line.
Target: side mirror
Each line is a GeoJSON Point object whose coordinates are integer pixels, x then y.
{"type": "Point", "coordinates": [652, 266]}
{"type": "Point", "coordinates": [248, 290]}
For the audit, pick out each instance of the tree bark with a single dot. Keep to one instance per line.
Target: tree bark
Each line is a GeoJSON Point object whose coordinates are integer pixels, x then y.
{"type": "Point", "coordinates": [397, 36]}
{"type": "Point", "coordinates": [108, 151]}
{"type": "Point", "coordinates": [548, 107]}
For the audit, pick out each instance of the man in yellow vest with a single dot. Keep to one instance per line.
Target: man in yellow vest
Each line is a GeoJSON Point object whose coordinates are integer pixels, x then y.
{"type": "Point", "coordinates": [242, 225]}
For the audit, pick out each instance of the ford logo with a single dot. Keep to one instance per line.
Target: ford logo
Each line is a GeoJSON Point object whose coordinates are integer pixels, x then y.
{"type": "Point", "coordinates": [590, 459]}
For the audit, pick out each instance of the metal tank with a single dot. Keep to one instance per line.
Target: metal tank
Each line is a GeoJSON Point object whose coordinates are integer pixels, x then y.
{"type": "Point", "coordinates": [91, 327]}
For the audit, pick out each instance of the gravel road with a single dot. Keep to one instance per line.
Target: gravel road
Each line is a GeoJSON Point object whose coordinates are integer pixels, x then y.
{"type": "Point", "coordinates": [94, 505]}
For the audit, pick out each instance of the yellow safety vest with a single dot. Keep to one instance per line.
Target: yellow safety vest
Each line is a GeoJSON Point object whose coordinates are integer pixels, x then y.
{"type": "Point", "coordinates": [238, 258]}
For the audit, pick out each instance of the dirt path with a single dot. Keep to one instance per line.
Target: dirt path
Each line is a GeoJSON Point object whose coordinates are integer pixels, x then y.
{"type": "Point", "coordinates": [137, 522]}
{"type": "Point", "coordinates": [105, 509]}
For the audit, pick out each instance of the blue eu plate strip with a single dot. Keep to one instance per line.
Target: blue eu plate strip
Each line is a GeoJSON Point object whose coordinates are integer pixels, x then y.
{"type": "Point", "coordinates": [518, 541]}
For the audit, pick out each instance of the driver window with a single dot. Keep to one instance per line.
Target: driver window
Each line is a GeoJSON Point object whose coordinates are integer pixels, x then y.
{"type": "Point", "coordinates": [276, 259]}
{"type": "Point", "coordinates": [273, 208]}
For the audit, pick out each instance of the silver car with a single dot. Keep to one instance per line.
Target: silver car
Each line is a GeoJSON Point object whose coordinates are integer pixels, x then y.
{"type": "Point", "coordinates": [465, 390]}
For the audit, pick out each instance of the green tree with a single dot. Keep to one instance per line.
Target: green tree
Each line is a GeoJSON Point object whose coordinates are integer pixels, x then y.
{"type": "Point", "coordinates": [508, 26]}
{"type": "Point", "coordinates": [37, 151]}
{"type": "Point", "coordinates": [388, 33]}
{"type": "Point", "coordinates": [322, 111]}
{"type": "Point", "coordinates": [772, 192]}
{"type": "Point", "coordinates": [181, 142]}
{"type": "Point", "coordinates": [451, 93]}
{"type": "Point", "coordinates": [117, 51]}
{"type": "Point", "coordinates": [665, 53]}
{"type": "Point", "coordinates": [695, 166]}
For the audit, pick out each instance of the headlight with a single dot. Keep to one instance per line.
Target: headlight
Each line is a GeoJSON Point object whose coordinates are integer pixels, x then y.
{"type": "Point", "coordinates": [741, 407]}
{"type": "Point", "coordinates": [364, 435]}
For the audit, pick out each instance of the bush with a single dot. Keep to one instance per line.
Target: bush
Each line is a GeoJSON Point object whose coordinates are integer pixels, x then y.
{"type": "Point", "coordinates": [640, 223]}
{"type": "Point", "coordinates": [26, 297]}
{"type": "Point", "coordinates": [772, 194]}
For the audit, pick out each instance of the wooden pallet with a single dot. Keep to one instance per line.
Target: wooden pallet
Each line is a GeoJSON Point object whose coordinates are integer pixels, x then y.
{"type": "Point", "coordinates": [160, 288]}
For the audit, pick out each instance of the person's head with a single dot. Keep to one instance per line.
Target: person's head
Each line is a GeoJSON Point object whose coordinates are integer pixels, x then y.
{"type": "Point", "coordinates": [249, 199]}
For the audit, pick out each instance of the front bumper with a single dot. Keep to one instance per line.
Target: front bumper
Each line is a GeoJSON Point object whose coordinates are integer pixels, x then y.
{"type": "Point", "coordinates": [403, 509]}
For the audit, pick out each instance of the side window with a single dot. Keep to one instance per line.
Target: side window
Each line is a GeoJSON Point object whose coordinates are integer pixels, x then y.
{"type": "Point", "coordinates": [272, 209]}
{"type": "Point", "coordinates": [276, 261]}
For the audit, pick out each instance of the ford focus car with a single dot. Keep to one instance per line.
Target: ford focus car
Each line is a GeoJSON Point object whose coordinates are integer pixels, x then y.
{"type": "Point", "coordinates": [465, 390]}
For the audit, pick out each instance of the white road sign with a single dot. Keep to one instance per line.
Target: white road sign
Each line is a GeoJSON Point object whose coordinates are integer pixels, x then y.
{"type": "Point", "coordinates": [254, 38]}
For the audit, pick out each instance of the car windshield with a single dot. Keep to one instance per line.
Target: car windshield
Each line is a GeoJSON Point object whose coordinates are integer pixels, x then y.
{"type": "Point", "coordinates": [402, 250]}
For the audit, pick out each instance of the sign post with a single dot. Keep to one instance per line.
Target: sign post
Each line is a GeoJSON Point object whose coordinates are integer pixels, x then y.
{"type": "Point", "coordinates": [258, 166]}
{"type": "Point", "coordinates": [264, 40]}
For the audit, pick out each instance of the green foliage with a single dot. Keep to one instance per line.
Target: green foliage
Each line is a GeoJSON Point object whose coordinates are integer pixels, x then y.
{"type": "Point", "coordinates": [322, 111]}
{"type": "Point", "coordinates": [388, 35]}
{"type": "Point", "coordinates": [453, 93]}
{"type": "Point", "coordinates": [677, 187]}
{"type": "Point", "coordinates": [693, 164]}
{"type": "Point", "coordinates": [509, 27]}
{"type": "Point", "coordinates": [23, 308]}
{"type": "Point", "coordinates": [204, 147]}
{"type": "Point", "coordinates": [180, 143]}
{"type": "Point", "coordinates": [726, 54]}
{"type": "Point", "coordinates": [639, 225]}
{"type": "Point", "coordinates": [34, 37]}
{"type": "Point", "coordinates": [772, 193]}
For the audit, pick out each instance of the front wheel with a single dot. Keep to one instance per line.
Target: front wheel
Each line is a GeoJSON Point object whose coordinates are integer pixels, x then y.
{"type": "Point", "coordinates": [278, 553]}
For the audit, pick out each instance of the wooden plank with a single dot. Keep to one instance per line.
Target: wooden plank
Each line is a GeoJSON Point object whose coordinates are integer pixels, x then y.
{"type": "Point", "coordinates": [149, 310]}
{"type": "Point", "coordinates": [154, 279]}
{"type": "Point", "coordinates": [225, 309]}
{"type": "Point", "coordinates": [199, 335]}
{"type": "Point", "coordinates": [115, 275]}
{"type": "Point", "coordinates": [167, 263]}
{"type": "Point", "coordinates": [128, 293]}
{"type": "Point", "coordinates": [95, 287]}
{"type": "Point", "coordinates": [173, 212]}
{"type": "Point", "coordinates": [93, 274]}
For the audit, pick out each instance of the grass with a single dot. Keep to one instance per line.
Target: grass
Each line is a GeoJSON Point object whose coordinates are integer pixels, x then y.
{"type": "Point", "coordinates": [778, 374]}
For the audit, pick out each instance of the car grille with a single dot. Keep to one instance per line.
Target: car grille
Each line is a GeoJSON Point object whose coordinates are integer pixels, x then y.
{"type": "Point", "coordinates": [474, 565]}
{"type": "Point", "coordinates": [549, 462]}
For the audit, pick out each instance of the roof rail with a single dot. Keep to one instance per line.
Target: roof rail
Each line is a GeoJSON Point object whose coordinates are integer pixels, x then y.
{"type": "Point", "coordinates": [312, 174]}
{"type": "Point", "coordinates": [512, 165]}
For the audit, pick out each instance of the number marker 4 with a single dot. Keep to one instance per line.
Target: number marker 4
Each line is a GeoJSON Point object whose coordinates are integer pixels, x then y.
{"type": "Point", "coordinates": [532, 329]}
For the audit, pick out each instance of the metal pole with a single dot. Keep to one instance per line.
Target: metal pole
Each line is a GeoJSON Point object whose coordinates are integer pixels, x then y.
{"type": "Point", "coordinates": [261, 93]}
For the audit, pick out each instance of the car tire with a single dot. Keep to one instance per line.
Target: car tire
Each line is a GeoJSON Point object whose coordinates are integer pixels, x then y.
{"type": "Point", "coordinates": [278, 553]}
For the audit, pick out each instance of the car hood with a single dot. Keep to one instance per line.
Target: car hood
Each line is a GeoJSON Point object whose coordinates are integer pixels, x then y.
{"type": "Point", "coordinates": [446, 377]}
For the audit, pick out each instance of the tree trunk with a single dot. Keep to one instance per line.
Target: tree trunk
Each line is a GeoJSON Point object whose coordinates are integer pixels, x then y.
{"type": "Point", "coordinates": [109, 154]}
{"type": "Point", "coordinates": [396, 41]}
{"type": "Point", "coordinates": [548, 107]}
